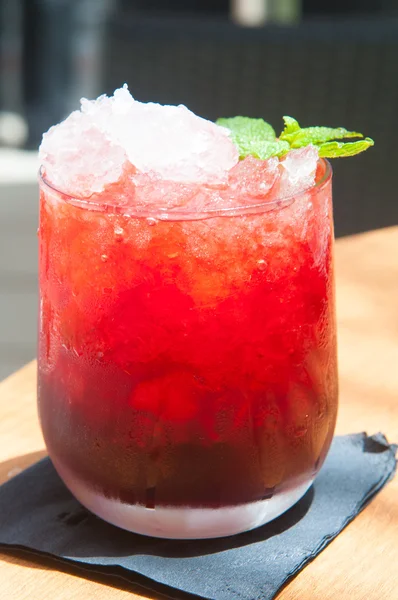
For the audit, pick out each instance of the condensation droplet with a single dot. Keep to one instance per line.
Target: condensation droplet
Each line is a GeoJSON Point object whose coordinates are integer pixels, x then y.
{"type": "Point", "coordinates": [118, 233]}
{"type": "Point", "coordinates": [300, 431]}
{"type": "Point", "coordinates": [151, 221]}
{"type": "Point", "coordinates": [261, 264]}
{"type": "Point", "coordinates": [104, 257]}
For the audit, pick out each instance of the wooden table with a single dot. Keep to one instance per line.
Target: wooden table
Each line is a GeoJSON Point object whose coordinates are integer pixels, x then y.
{"type": "Point", "coordinates": [362, 562]}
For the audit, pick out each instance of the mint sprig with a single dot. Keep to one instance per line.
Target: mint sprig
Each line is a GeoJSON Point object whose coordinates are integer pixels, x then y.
{"type": "Point", "coordinates": [257, 138]}
{"type": "Point", "coordinates": [254, 137]}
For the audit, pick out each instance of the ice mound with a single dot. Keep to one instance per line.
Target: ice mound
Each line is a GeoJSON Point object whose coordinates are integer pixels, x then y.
{"type": "Point", "coordinates": [89, 150]}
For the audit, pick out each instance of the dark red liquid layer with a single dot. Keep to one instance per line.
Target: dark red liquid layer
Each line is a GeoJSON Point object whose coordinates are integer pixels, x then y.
{"type": "Point", "coordinates": [189, 362]}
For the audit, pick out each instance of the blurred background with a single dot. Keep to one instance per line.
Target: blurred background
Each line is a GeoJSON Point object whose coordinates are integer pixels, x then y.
{"type": "Point", "coordinates": [324, 62]}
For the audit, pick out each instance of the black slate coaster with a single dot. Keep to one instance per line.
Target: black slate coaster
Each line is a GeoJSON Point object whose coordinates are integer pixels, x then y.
{"type": "Point", "coordinates": [38, 513]}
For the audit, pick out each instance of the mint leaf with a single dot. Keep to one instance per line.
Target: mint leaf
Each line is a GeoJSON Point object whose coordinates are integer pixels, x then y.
{"type": "Point", "coordinates": [246, 128]}
{"type": "Point", "coordinates": [253, 137]}
{"type": "Point", "coordinates": [342, 149]}
{"type": "Point", "coordinates": [291, 129]}
{"type": "Point", "coordinates": [262, 149]}
{"type": "Point", "coordinates": [323, 138]}
{"type": "Point", "coordinates": [319, 135]}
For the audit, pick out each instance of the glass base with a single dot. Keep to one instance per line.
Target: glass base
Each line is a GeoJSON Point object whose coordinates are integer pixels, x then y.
{"type": "Point", "coordinates": [181, 522]}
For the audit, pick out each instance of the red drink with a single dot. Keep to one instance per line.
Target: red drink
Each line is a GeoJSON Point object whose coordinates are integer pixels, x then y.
{"type": "Point", "coordinates": [187, 365]}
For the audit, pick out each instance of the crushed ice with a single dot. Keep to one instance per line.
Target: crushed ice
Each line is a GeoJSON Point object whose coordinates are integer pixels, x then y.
{"type": "Point", "coordinates": [298, 170]}
{"type": "Point", "coordinates": [89, 148]}
{"type": "Point", "coordinates": [124, 151]}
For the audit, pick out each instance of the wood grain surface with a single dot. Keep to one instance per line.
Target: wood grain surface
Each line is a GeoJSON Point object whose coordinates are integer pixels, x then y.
{"type": "Point", "coordinates": [362, 562]}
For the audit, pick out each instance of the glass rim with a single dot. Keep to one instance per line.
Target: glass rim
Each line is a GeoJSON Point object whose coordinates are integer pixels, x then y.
{"type": "Point", "coordinates": [163, 213]}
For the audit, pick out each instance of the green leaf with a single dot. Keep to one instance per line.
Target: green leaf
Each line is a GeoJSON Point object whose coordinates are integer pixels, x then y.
{"type": "Point", "coordinates": [262, 149]}
{"type": "Point", "coordinates": [257, 138]}
{"type": "Point", "coordinates": [319, 135]}
{"type": "Point", "coordinates": [247, 128]}
{"type": "Point", "coordinates": [254, 137]}
{"type": "Point", "coordinates": [291, 129]}
{"type": "Point", "coordinates": [342, 149]}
